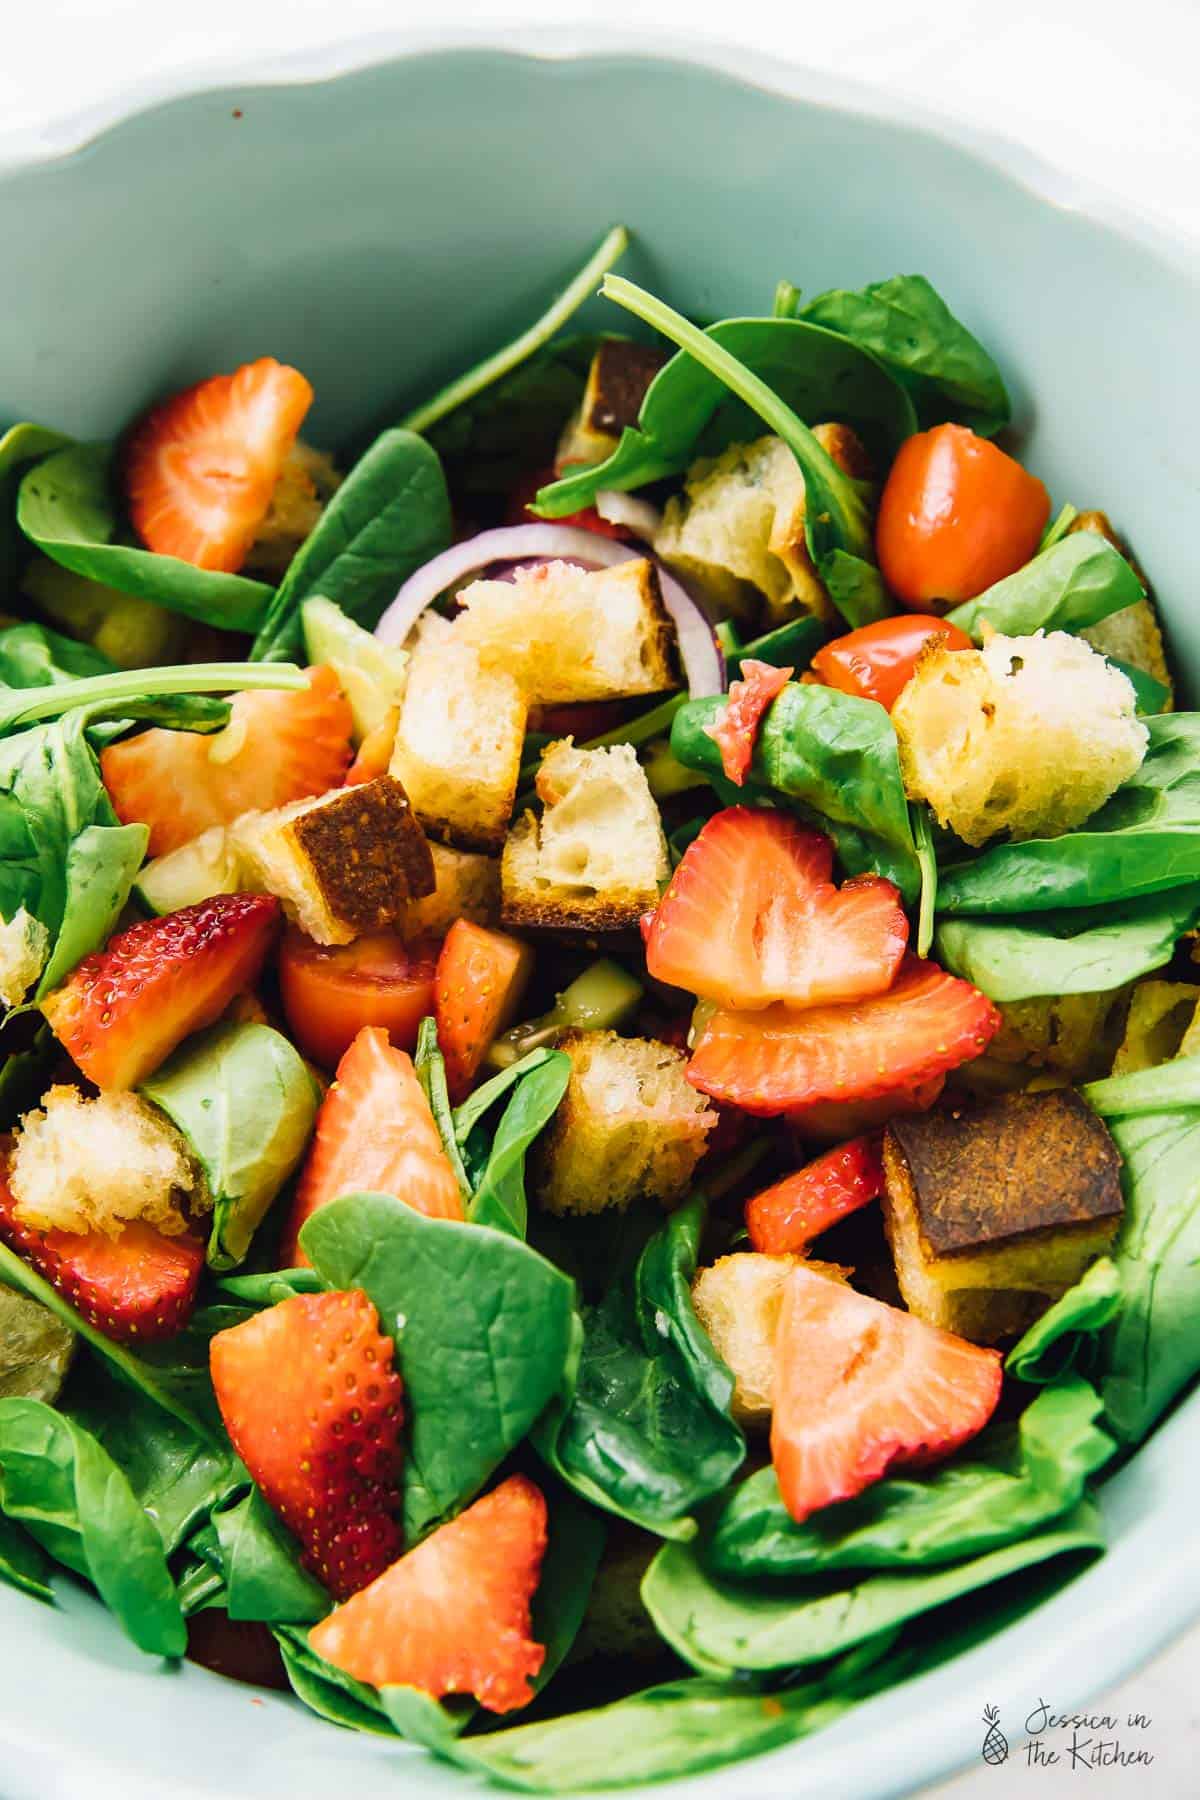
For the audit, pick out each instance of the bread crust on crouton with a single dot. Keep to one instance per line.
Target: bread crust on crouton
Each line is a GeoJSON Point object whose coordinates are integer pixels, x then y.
{"type": "Point", "coordinates": [617, 379]}
{"type": "Point", "coordinates": [1132, 635]}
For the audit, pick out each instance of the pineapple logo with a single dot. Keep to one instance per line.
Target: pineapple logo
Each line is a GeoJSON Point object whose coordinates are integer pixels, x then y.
{"type": "Point", "coordinates": [995, 1744]}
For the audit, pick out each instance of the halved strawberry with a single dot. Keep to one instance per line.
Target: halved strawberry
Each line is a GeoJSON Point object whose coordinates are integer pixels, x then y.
{"type": "Point", "coordinates": [201, 468]}
{"type": "Point", "coordinates": [453, 1616]}
{"type": "Point", "coordinates": [751, 916]}
{"type": "Point", "coordinates": [134, 1287]}
{"type": "Point", "coordinates": [773, 1061]}
{"type": "Point", "coordinates": [788, 1216]}
{"type": "Point", "coordinates": [375, 1135]}
{"type": "Point", "coordinates": [735, 729]}
{"type": "Point", "coordinates": [860, 1387]}
{"type": "Point", "coordinates": [314, 1407]}
{"type": "Point", "coordinates": [480, 978]}
{"type": "Point", "coordinates": [124, 1009]}
{"type": "Point", "coordinates": [279, 745]}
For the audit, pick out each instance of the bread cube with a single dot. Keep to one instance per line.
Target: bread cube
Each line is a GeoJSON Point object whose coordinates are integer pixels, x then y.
{"type": "Point", "coordinates": [1073, 1035]}
{"type": "Point", "coordinates": [466, 886]}
{"type": "Point", "coordinates": [618, 376]}
{"type": "Point", "coordinates": [629, 1126]}
{"type": "Point", "coordinates": [568, 634]}
{"type": "Point", "coordinates": [595, 859]}
{"type": "Point", "coordinates": [347, 862]}
{"type": "Point", "coordinates": [1132, 635]}
{"type": "Point", "coordinates": [458, 744]}
{"type": "Point", "coordinates": [307, 482]}
{"type": "Point", "coordinates": [737, 1300]}
{"type": "Point", "coordinates": [994, 1212]}
{"type": "Point", "coordinates": [94, 1165]}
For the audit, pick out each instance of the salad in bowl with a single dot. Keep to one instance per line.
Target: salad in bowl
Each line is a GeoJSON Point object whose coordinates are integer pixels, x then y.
{"type": "Point", "coordinates": [601, 1046]}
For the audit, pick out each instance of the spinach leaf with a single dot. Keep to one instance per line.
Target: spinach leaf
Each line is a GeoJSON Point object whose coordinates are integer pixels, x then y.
{"type": "Point", "coordinates": [488, 1093]}
{"type": "Point", "coordinates": [65, 506]}
{"type": "Point", "coordinates": [244, 1099]}
{"type": "Point", "coordinates": [1075, 583]}
{"type": "Point", "coordinates": [390, 515]}
{"type": "Point", "coordinates": [20, 445]}
{"type": "Point", "coordinates": [34, 656]}
{"type": "Point", "coordinates": [269, 1288]}
{"type": "Point", "coordinates": [926, 854]}
{"type": "Point", "coordinates": [59, 1482]}
{"type": "Point", "coordinates": [260, 1564]}
{"type": "Point", "coordinates": [1015, 1479]}
{"type": "Point", "coordinates": [499, 1197]}
{"type": "Point", "coordinates": [1053, 1343]}
{"type": "Point", "coordinates": [1151, 694]}
{"type": "Point", "coordinates": [1086, 952]}
{"type": "Point", "coordinates": [23, 1563]}
{"type": "Point", "coordinates": [644, 1430]}
{"type": "Point", "coordinates": [327, 1691]}
{"type": "Point", "coordinates": [26, 1074]}
{"type": "Point", "coordinates": [1144, 839]}
{"type": "Point", "coordinates": [908, 326]}
{"type": "Point", "coordinates": [482, 1326]}
{"type": "Point", "coordinates": [721, 1627]}
{"type": "Point", "coordinates": [430, 1066]}
{"type": "Point", "coordinates": [832, 757]}
{"type": "Point", "coordinates": [490, 442]}
{"type": "Point", "coordinates": [172, 694]}
{"type": "Point", "coordinates": [36, 1348]}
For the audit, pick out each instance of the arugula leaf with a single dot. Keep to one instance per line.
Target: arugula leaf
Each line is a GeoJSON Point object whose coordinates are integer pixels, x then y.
{"type": "Point", "coordinates": [830, 756]}
{"type": "Point", "coordinates": [482, 1326]}
{"type": "Point", "coordinates": [499, 1197]}
{"type": "Point", "coordinates": [246, 1102]}
{"type": "Point", "coordinates": [36, 1348]}
{"type": "Point", "coordinates": [65, 506]}
{"type": "Point", "coordinates": [23, 1563]}
{"type": "Point", "coordinates": [722, 1627]}
{"type": "Point", "coordinates": [1086, 952]}
{"type": "Point", "coordinates": [644, 1429]}
{"type": "Point", "coordinates": [1074, 584]}
{"type": "Point", "coordinates": [1015, 1479]}
{"type": "Point", "coordinates": [390, 515]}
{"type": "Point", "coordinates": [260, 1564]}
{"type": "Point", "coordinates": [905, 323]}
{"type": "Point", "coordinates": [59, 1482]}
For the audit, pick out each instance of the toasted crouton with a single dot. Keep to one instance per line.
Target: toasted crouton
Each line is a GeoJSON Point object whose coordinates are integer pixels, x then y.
{"type": "Point", "coordinates": [458, 744]}
{"type": "Point", "coordinates": [94, 1165]}
{"type": "Point", "coordinates": [596, 857]}
{"type": "Point", "coordinates": [1132, 635]}
{"type": "Point", "coordinates": [347, 862]}
{"type": "Point", "coordinates": [619, 374]}
{"type": "Point", "coordinates": [466, 886]}
{"type": "Point", "coordinates": [737, 1300]}
{"type": "Point", "coordinates": [569, 634]}
{"type": "Point", "coordinates": [1163, 1022]}
{"type": "Point", "coordinates": [24, 947]}
{"type": "Point", "coordinates": [994, 1212]}
{"type": "Point", "coordinates": [306, 484]}
{"type": "Point", "coordinates": [1028, 736]}
{"type": "Point", "coordinates": [1074, 1035]}
{"type": "Point", "coordinates": [629, 1125]}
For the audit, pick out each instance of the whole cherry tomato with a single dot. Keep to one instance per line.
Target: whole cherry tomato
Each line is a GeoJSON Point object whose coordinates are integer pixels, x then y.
{"type": "Point", "coordinates": [876, 661]}
{"type": "Point", "coordinates": [956, 515]}
{"type": "Point", "coordinates": [330, 992]}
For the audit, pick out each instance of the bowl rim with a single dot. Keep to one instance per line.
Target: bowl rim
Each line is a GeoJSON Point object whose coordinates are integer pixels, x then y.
{"type": "Point", "coordinates": [1140, 1620]}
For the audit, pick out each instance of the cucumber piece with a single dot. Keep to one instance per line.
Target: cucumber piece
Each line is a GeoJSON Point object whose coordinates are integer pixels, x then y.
{"type": "Point", "coordinates": [372, 674]}
{"type": "Point", "coordinates": [194, 872]}
{"type": "Point", "coordinates": [600, 999]}
{"type": "Point", "coordinates": [131, 632]}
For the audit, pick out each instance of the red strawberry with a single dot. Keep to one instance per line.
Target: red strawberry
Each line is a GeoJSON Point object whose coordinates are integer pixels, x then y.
{"type": "Point", "coordinates": [279, 745]}
{"type": "Point", "coordinates": [481, 976]}
{"type": "Point", "coordinates": [829, 1121]}
{"type": "Point", "coordinates": [200, 469]}
{"type": "Point", "coordinates": [735, 729]}
{"type": "Point", "coordinates": [134, 1287]}
{"type": "Point", "coordinates": [860, 1386]}
{"type": "Point", "coordinates": [314, 1407]}
{"type": "Point", "coordinates": [452, 1617]}
{"type": "Point", "coordinates": [788, 1216]}
{"type": "Point", "coordinates": [751, 916]}
{"type": "Point", "coordinates": [772, 1061]}
{"type": "Point", "coordinates": [375, 1134]}
{"type": "Point", "coordinates": [123, 1010]}
{"type": "Point", "coordinates": [374, 754]}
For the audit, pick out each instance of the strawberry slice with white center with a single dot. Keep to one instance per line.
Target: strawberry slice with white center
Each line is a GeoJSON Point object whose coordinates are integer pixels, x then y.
{"type": "Point", "coordinates": [861, 1387]}
{"type": "Point", "coordinates": [752, 916]}
{"type": "Point", "coordinates": [201, 468]}
{"type": "Point", "coordinates": [735, 729]}
{"type": "Point", "coordinates": [773, 1061]}
{"type": "Point", "coordinates": [280, 745]}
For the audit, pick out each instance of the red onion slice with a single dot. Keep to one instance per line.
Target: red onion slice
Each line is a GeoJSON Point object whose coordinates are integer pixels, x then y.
{"type": "Point", "coordinates": [703, 664]}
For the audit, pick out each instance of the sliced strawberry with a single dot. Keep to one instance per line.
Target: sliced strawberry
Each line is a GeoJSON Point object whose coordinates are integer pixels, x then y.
{"type": "Point", "coordinates": [860, 1387]}
{"type": "Point", "coordinates": [735, 729]}
{"type": "Point", "coordinates": [201, 468]}
{"type": "Point", "coordinates": [773, 1061]}
{"type": "Point", "coordinates": [829, 1121]}
{"type": "Point", "coordinates": [314, 1407]}
{"type": "Point", "coordinates": [751, 916]}
{"type": "Point", "coordinates": [124, 1009]}
{"type": "Point", "coordinates": [279, 745]}
{"type": "Point", "coordinates": [453, 1616]}
{"type": "Point", "coordinates": [481, 976]}
{"type": "Point", "coordinates": [375, 1135]}
{"type": "Point", "coordinates": [787, 1217]}
{"type": "Point", "coordinates": [133, 1287]}
{"type": "Point", "coordinates": [374, 756]}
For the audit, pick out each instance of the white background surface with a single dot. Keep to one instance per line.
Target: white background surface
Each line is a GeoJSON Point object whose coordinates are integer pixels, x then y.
{"type": "Point", "coordinates": [1104, 87]}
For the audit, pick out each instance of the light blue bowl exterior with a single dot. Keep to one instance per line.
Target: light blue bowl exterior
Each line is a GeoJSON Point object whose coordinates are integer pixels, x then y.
{"type": "Point", "coordinates": [381, 228]}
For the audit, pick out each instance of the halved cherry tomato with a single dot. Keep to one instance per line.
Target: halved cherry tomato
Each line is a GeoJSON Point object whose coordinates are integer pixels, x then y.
{"type": "Point", "coordinates": [956, 515]}
{"type": "Point", "coordinates": [876, 661]}
{"type": "Point", "coordinates": [330, 992]}
{"type": "Point", "coordinates": [587, 519]}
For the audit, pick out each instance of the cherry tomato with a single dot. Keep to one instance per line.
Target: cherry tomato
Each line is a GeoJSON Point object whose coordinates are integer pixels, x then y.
{"type": "Point", "coordinates": [876, 661]}
{"type": "Point", "coordinates": [587, 519]}
{"type": "Point", "coordinates": [330, 992]}
{"type": "Point", "coordinates": [956, 515]}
